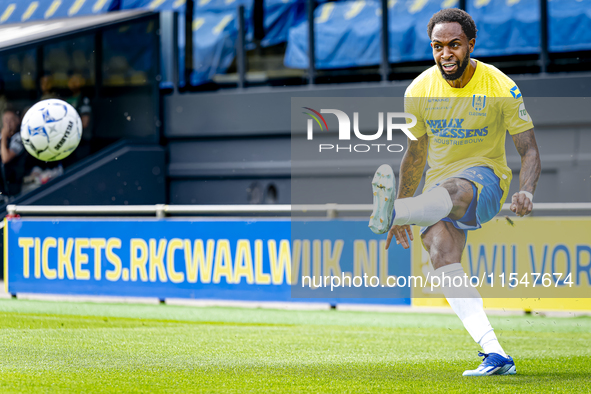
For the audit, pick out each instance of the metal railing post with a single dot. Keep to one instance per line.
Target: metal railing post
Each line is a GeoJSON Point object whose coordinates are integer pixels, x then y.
{"type": "Point", "coordinates": [98, 64]}
{"type": "Point", "coordinates": [385, 66]}
{"type": "Point", "coordinates": [331, 211]}
{"type": "Point", "coordinates": [175, 52]}
{"type": "Point", "coordinates": [188, 41]}
{"type": "Point", "coordinates": [544, 57]}
{"type": "Point", "coordinates": [169, 49]}
{"type": "Point", "coordinates": [240, 51]}
{"type": "Point", "coordinates": [160, 211]}
{"type": "Point", "coordinates": [311, 4]}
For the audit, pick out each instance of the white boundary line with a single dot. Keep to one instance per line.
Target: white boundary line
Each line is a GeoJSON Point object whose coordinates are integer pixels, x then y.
{"type": "Point", "coordinates": [87, 298]}
{"type": "Point", "coordinates": [249, 304]}
{"type": "Point", "coordinates": [310, 306]}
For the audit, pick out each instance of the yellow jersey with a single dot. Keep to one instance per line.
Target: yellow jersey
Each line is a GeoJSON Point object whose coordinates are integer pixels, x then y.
{"type": "Point", "coordinates": [467, 126]}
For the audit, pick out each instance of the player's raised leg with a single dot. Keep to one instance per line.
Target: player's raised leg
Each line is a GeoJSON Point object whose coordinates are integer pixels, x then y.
{"type": "Point", "coordinates": [450, 199]}
{"type": "Point", "coordinates": [383, 186]}
{"type": "Point", "coordinates": [445, 244]}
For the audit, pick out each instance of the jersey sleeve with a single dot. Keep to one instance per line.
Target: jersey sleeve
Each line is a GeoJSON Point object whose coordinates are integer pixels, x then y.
{"type": "Point", "coordinates": [412, 106]}
{"type": "Point", "coordinates": [515, 116]}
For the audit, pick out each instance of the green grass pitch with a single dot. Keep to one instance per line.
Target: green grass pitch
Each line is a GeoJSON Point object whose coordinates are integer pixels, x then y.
{"type": "Point", "coordinates": [85, 347]}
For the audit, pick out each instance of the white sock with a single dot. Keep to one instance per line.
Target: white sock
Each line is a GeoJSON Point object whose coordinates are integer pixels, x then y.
{"type": "Point", "coordinates": [467, 304]}
{"type": "Point", "coordinates": [423, 210]}
{"type": "Point", "coordinates": [490, 344]}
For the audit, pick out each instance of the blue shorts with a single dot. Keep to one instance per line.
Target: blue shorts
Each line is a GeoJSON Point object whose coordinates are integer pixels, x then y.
{"type": "Point", "coordinates": [485, 204]}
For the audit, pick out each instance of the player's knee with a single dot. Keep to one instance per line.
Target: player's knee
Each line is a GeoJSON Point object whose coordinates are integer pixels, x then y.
{"type": "Point", "coordinates": [461, 194]}
{"type": "Point", "coordinates": [460, 190]}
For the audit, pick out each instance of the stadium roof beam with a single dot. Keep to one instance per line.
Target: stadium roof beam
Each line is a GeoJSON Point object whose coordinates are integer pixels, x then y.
{"type": "Point", "coordinates": [18, 36]}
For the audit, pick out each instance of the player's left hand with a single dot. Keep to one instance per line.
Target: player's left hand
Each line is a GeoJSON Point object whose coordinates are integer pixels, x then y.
{"type": "Point", "coordinates": [400, 233]}
{"type": "Point", "coordinates": [521, 205]}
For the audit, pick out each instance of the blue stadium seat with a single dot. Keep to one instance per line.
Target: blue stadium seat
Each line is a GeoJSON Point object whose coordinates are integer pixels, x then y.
{"type": "Point", "coordinates": [279, 17]}
{"type": "Point", "coordinates": [222, 6]}
{"type": "Point", "coordinates": [347, 35]}
{"type": "Point", "coordinates": [569, 25]}
{"type": "Point", "coordinates": [506, 27]}
{"type": "Point", "coordinates": [13, 11]}
{"type": "Point", "coordinates": [414, 43]}
{"type": "Point", "coordinates": [347, 32]}
{"type": "Point", "coordinates": [156, 5]}
{"type": "Point", "coordinates": [208, 7]}
{"type": "Point", "coordinates": [214, 32]}
{"type": "Point", "coordinates": [350, 33]}
{"type": "Point", "coordinates": [214, 38]}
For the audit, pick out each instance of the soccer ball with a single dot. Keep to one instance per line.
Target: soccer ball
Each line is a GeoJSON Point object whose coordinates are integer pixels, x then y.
{"type": "Point", "coordinates": [51, 130]}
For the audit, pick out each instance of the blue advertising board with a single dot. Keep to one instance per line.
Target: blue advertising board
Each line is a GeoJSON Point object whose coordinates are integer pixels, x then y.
{"type": "Point", "coordinates": [224, 259]}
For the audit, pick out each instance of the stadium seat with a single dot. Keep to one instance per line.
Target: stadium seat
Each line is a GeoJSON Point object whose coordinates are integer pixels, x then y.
{"type": "Point", "coordinates": [12, 11]}
{"type": "Point", "coordinates": [347, 33]}
{"type": "Point", "coordinates": [351, 31]}
{"type": "Point", "coordinates": [155, 5]}
{"type": "Point", "coordinates": [279, 17]}
{"type": "Point", "coordinates": [506, 27]}
{"type": "Point", "coordinates": [215, 32]}
{"type": "Point", "coordinates": [569, 25]}
{"type": "Point", "coordinates": [214, 37]}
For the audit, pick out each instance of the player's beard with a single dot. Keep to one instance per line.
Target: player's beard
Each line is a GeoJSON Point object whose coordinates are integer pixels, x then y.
{"type": "Point", "coordinates": [461, 68]}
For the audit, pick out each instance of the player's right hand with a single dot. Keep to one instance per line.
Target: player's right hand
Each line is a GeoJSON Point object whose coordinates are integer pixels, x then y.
{"type": "Point", "coordinates": [399, 232]}
{"type": "Point", "coordinates": [521, 205]}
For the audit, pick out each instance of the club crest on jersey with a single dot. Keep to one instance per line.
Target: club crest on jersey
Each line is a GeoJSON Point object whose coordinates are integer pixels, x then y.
{"type": "Point", "coordinates": [478, 102]}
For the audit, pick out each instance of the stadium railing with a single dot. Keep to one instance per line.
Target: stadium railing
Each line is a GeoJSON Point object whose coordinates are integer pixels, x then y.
{"type": "Point", "coordinates": [164, 210]}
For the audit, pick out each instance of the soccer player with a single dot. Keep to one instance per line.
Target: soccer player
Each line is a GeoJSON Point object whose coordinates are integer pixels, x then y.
{"type": "Point", "coordinates": [463, 108]}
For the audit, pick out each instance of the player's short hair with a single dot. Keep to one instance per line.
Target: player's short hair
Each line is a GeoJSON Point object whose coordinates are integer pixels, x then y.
{"type": "Point", "coordinates": [450, 15]}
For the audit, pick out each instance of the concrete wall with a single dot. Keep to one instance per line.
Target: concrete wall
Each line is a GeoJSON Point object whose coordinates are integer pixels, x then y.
{"type": "Point", "coordinates": [235, 146]}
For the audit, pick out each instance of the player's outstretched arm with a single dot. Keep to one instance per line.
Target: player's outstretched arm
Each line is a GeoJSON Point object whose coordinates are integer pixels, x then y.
{"type": "Point", "coordinates": [411, 172]}
{"type": "Point", "coordinates": [412, 166]}
{"type": "Point", "coordinates": [531, 166]}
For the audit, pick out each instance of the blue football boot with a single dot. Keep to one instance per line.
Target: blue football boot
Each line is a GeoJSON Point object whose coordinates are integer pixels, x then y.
{"type": "Point", "coordinates": [493, 364]}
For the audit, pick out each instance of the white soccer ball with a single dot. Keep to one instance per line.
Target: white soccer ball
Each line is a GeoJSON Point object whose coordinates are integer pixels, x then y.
{"type": "Point", "coordinates": [51, 130]}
